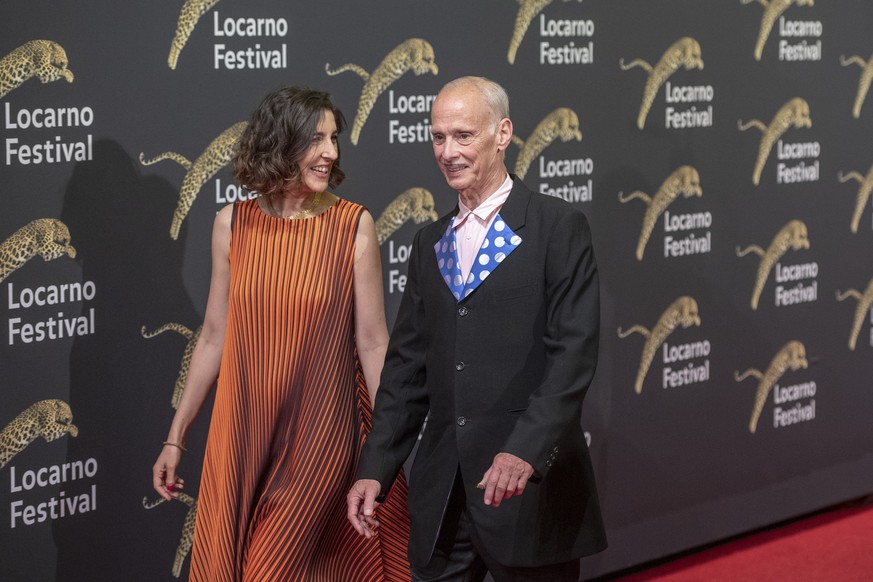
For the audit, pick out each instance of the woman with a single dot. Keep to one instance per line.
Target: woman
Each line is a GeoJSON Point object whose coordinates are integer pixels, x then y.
{"type": "Point", "coordinates": [295, 333]}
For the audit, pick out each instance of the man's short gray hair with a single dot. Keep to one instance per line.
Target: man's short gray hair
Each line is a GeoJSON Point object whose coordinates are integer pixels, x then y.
{"type": "Point", "coordinates": [493, 94]}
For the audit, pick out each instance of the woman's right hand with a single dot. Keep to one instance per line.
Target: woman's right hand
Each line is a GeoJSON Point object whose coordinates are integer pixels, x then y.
{"type": "Point", "coordinates": [164, 477]}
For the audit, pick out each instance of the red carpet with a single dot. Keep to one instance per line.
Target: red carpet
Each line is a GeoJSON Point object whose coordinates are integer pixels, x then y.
{"type": "Point", "coordinates": [835, 545]}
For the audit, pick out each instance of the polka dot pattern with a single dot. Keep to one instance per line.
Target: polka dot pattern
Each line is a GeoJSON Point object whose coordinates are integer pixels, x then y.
{"type": "Point", "coordinates": [499, 243]}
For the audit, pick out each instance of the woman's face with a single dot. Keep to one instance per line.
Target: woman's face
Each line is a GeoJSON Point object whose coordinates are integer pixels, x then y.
{"type": "Point", "coordinates": [318, 160]}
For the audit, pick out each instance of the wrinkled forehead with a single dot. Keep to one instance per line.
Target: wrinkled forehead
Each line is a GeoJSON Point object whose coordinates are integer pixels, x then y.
{"type": "Point", "coordinates": [460, 109]}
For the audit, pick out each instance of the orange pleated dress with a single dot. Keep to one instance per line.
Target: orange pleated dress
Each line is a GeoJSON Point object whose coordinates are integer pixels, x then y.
{"type": "Point", "coordinates": [290, 415]}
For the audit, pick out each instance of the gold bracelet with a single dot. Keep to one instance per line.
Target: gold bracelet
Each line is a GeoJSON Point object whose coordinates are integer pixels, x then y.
{"type": "Point", "coordinates": [177, 445]}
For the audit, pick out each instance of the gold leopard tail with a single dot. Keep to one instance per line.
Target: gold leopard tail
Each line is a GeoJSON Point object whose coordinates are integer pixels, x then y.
{"type": "Point", "coordinates": [527, 11]}
{"type": "Point", "coordinates": [794, 113]}
{"type": "Point", "coordinates": [791, 356]}
{"type": "Point", "coordinates": [360, 71]}
{"type": "Point", "coordinates": [649, 219]}
{"type": "Point", "coordinates": [646, 104]}
{"type": "Point", "coordinates": [414, 204]}
{"type": "Point", "coordinates": [414, 55]}
{"type": "Point", "coordinates": [641, 373]}
{"type": "Point", "coordinates": [191, 12]}
{"type": "Point", "coordinates": [172, 326]}
{"type": "Point", "coordinates": [187, 540]}
{"type": "Point", "coordinates": [43, 59]}
{"type": "Point", "coordinates": [862, 197]}
{"type": "Point", "coordinates": [47, 237]}
{"type": "Point", "coordinates": [216, 155]}
{"type": "Point", "coordinates": [178, 158]}
{"type": "Point", "coordinates": [562, 123]}
{"type": "Point", "coordinates": [863, 83]}
{"type": "Point", "coordinates": [772, 11]}
{"type": "Point", "coordinates": [192, 337]}
{"type": "Point", "coordinates": [49, 419]}
{"type": "Point", "coordinates": [865, 301]}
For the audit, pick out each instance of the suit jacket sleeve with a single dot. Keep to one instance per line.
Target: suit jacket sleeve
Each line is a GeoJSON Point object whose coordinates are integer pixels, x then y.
{"type": "Point", "coordinates": [572, 295]}
{"type": "Point", "coordinates": [401, 401]}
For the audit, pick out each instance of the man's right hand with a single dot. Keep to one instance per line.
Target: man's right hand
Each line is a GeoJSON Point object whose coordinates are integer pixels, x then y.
{"type": "Point", "coordinates": [361, 502]}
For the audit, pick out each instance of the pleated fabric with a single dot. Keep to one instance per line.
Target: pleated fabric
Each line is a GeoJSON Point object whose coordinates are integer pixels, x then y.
{"type": "Point", "coordinates": [290, 415]}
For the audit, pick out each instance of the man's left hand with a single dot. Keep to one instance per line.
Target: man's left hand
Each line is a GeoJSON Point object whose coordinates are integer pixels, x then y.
{"type": "Point", "coordinates": [507, 476]}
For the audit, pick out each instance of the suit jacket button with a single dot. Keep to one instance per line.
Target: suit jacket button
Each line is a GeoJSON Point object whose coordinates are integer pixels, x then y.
{"type": "Point", "coordinates": [462, 311]}
{"type": "Point", "coordinates": [459, 366]}
{"type": "Point", "coordinates": [462, 421]}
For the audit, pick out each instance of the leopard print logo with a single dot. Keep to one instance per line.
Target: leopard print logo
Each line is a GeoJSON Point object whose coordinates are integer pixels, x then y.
{"type": "Point", "coordinates": [49, 419]}
{"type": "Point", "coordinates": [682, 312]}
{"type": "Point", "coordinates": [863, 83]}
{"type": "Point", "coordinates": [791, 236]}
{"type": "Point", "coordinates": [187, 528]}
{"type": "Point", "coordinates": [865, 300]}
{"type": "Point", "coordinates": [685, 52]}
{"type": "Point", "coordinates": [773, 9]}
{"type": "Point", "coordinates": [414, 204]}
{"type": "Point", "coordinates": [866, 186]}
{"type": "Point", "coordinates": [192, 337]}
{"type": "Point", "coordinates": [414, 55]}
{"type": "Point", "coordinates": [44, 59]}
{"type": "Point", "coordinates": [685, 181]}
{"type": "Point", "coordinates": [792, 356]}
{"type": "Point", "coordinates": [561, 123]}
{"type": "Point", "coordinates": [217, 154]}
{"type": "Point", "coordinates": [527, 11]}
{"type": "Point", "coordinates": [47, 237]}
{"type": "Point", "coordinates": [794, 113]}
{"type": "Point", "coordinates": [191, 12]}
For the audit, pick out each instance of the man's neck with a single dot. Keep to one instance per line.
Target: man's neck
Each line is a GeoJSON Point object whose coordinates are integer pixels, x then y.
{"type": "Point", "coordinates": [473, 197]}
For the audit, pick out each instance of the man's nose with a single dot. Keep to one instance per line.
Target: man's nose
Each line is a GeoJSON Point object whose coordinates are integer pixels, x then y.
{"type": "Point", "coordinates": [450, 150]}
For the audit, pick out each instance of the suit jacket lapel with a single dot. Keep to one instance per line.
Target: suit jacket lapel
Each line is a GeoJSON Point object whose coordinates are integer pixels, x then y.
{"type": "Point", "coordinates": [503, 237]}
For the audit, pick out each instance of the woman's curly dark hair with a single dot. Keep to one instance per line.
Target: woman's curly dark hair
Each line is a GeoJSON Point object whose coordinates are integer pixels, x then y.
{"type": "Point", "coordinates": [278, 136]}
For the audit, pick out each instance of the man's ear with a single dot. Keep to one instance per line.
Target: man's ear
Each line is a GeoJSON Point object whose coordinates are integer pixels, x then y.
{"type": "Point", "coordinates": [504, 134]}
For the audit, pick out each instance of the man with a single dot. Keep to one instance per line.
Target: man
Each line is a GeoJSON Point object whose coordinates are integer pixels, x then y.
{"type": "Point", "coordinates": [495, 344]}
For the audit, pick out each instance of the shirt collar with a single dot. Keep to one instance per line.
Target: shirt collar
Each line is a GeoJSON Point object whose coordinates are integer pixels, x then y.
{"type": "Point", "coordinates": [489, 207]}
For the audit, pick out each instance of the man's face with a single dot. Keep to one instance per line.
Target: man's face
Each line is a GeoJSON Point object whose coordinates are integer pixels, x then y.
{"type": "Point", "coordinates": [467, 145]}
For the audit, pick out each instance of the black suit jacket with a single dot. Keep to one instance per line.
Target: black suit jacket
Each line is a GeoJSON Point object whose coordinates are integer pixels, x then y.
{"type": "Point", "coordinates": [504, 370]}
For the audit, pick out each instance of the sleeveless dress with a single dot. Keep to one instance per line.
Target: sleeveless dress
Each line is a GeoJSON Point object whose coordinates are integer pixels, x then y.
{"type": "Point", "coordinates": [290, 415]}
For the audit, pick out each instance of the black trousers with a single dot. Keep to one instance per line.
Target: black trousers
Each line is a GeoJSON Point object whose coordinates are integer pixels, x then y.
{"type": "Point", "coordinates": [460, 557]}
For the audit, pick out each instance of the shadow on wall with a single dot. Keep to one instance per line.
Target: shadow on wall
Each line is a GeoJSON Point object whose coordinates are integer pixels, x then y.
{"type": "Point", "coordinates": [121, 383]}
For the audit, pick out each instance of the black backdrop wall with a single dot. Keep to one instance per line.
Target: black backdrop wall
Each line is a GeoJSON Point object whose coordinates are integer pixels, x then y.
{"type": "Point", "coordinates": [720, 149]}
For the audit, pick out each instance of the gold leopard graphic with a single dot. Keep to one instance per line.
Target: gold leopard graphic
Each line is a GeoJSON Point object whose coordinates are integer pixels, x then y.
{"type": "Point", "coordinates": [561, 123]}
{"type": "Point", "coordinates": [49, 419]}
{"type": "Point", "coordinates": [685, 52]}
{"type": "Point", "coordinates": [187, 528]}
{"type": "Point", "coordinates": [192, 337]}
{"type": "Point", "coordinates": [685, 181]}
{"type": "Point", "coordinates": [682, 312]}
{"type": "Point", "coordinates": [865, 300]}
{"type": "Point", "coordinates": [794, 113]}
{"type": "Point", "coordinates": [773, 9]}
{"type": "Point", "coordinates": [216, 155]}
{"type": "Point", "coordinates": [792, 356]}
{"type": "Point", "coordinates": [863, 83]}
{"type": "Point", "coordinates": [527, 11]}
{"type": "Point", "coordinates": [791, 236]}
{"type": "Point", "coordinates": [414, 204]}
{"type": "Point", "coordinates": [414, 55]}
{"type": "Point", "coordinates": [191, 12]}
{"type": "Point", "coordinates": [44, 59]}
{"type": "Point", "coordinates": [864, 190]}
{"type": "Point", "coordinates": [47, 237]}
